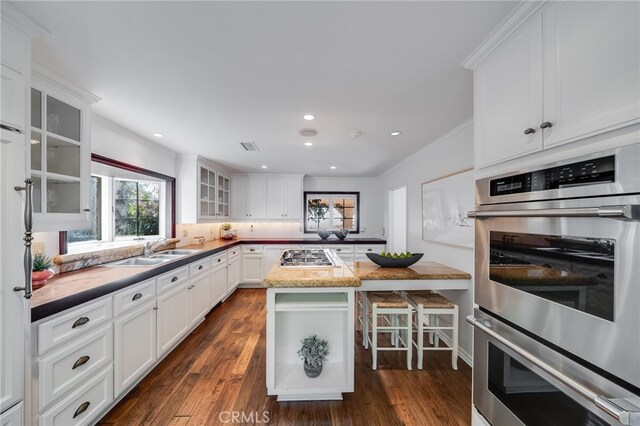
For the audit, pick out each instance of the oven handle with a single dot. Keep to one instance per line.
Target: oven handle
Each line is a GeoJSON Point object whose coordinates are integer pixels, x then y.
{"type": "Point", "coordinates": [603, 403]}
{"type": "Point", "coordinates": [628, 212]}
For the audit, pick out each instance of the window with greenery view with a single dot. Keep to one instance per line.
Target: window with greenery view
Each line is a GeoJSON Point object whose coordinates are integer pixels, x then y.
{"type": "Point", "coordinates": [332, 210]}
{"type": "Point", "coordinates": [136, 208]}
{"type": "Point", "coordinates": [95, 232]}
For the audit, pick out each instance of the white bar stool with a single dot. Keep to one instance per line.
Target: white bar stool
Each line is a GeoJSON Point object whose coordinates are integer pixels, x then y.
{"type": "Point", "coordinates": [383, 304]}
{"type": "Point", "coordinates": [429, 306]}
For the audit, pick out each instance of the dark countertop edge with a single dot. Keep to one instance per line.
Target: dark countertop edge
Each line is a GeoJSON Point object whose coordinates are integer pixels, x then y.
{"type": "Point", "coordinates": [56, 306]}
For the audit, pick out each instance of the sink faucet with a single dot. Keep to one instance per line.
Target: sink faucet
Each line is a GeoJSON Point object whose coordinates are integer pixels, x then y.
{"type": "Point", "coordinates": [150, 248]}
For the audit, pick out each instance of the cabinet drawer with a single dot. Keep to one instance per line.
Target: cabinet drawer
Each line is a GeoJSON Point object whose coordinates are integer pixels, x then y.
{"type": "Point", "coordinates": [340, 249]}
{"type": "Point", "coordinates": [71, 366]}
{"type": "Point", "coordinates": [199, 267]}
{"type": "Point", "coordinates": [220, 259]}
{"type": "Point", "coordinates": [172, 279]}
{"type": "Point", "coordinates": [82, 406]}
{"type": "Point", "coordinates": [233, 253]}
{"type": "Point", "coordinates": [73, 324]}
{"type": "Point", "coordinates": [133, 297]}
{"type": "Point", "coordinates": [252, 249]}
{"type": "Point", "coordinates": [369, 249]}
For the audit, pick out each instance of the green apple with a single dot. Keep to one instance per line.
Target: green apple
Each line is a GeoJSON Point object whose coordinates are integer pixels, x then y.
{"type": "Point", "coordinates": [382, 253]}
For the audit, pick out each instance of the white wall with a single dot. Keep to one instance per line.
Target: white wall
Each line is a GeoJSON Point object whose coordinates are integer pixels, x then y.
{"type": "Point", "coordinates": [111, 140]}
{"type": "Point", "coordinates": [451, 153]}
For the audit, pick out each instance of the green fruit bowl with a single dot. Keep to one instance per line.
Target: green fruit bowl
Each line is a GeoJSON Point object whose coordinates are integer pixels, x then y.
{"type": "Point", "coordinates": [394, 262]}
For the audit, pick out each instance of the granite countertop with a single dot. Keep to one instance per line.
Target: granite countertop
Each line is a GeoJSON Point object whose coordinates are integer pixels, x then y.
{"type": "Point", "coordinates": [321, 276]}
{"type": "Point", "coordinates": [424, 270]}
{"type": "Point", "coordinates": [532, 275]}
{"type": "Point", "coordinates": [66, 290]}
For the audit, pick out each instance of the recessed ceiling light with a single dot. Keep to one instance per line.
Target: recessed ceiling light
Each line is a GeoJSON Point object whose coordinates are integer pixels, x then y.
{"type": "Point", "coordinates": [332, 167]}
{"type": "Point", "coordinates": [395, 133]}
{"type": "Point", "coordinates": [158, 135]}
{"type": "Point", "coordinates": [308, 143]}
{"type": "Point", "coordinates": [309, 117]}
{"type": "Point", "coordinates": [264, 167]}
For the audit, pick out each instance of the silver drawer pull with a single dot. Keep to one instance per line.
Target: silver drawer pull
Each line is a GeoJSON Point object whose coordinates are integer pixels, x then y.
{"type": "Point", "coordinates": [174, 279]}
{"type": "Point", "coordinates": [81, 361]}
{"type": "Point", "coordinates": [219, 260]}
{"type": "Point", "coordinates": [200, 267]}
{"type": "Point", "coordinates": [136, 296]}
{"type": "Point", "coordinates": [252, 249]}
{"type": "Point", "coordinates": [338, 249]}
{"type": "Point", "coordinates": [603, 403]}
{"type": "Point", "coordinates": [369, 249]}
{"type": "Point", "coordinates": [80, 321]}
{"type": "Point", "coordinates": [81, 409]}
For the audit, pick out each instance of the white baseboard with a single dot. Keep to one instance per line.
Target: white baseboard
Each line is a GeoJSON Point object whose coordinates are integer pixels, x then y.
{"type": "Point", "coordinates": [249, 285]}
{"type": "Point", "coordinates": [464, 355]}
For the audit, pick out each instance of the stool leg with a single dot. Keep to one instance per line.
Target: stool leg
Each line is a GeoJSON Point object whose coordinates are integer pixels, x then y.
{"type": "Point", "coordinates": [374, 338]}
{"type": "Point", "coordinates": [395, 341]}
{"type": "Point", "coordinates": [420, 321]}
{"type": "Point", "coordinates": [431, 323]}
{"type": "Point", "coordinates": [436, 342]}
{"type": "Point", "coordinates": [454, 353]}
{"type": "Point", "coordinates": [365, 322]}
{"type": "Point", "coordinates": [409, 341]}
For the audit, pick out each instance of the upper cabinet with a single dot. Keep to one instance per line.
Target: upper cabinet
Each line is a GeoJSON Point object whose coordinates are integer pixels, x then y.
{"type": "Point", "coordinates": [266, 197]}
{"type": "Point", "coordinates": [60, 155]}
{"type": "Point", "coordinates": [12, 110]}
{"type": "Point", "coordinates": [569, 70]}
{"type": "Point", "coordinates": [203, 190]}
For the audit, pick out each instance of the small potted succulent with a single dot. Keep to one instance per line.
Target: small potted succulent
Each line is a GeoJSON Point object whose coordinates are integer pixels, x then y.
{"type": "Point", "coordinates": [313, 351]}
{"type": "Point", "coordinates": [225, 231]}
{"type": "Point", "coordinates": [41, 271]}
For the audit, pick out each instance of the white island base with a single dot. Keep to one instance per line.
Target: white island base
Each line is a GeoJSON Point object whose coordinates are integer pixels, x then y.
{"type": "Point", "coordinates": [294, 313]}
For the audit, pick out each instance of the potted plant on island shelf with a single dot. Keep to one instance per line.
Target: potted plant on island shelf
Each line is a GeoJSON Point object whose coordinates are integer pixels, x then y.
{"type": "Point", "coordinates": [313, 351]}
{"type": "Point", "coordinates": [41, 271]}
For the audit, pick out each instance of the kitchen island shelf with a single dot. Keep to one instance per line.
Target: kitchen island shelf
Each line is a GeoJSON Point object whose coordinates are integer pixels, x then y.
{"type": "Point", "coordinates": [291, 383]}
{"type": "Point", "coordinates": [293, 302]}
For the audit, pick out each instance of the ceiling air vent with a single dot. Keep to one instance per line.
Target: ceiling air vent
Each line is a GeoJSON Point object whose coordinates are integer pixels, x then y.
{"type": "Point", "coordinates": [308, 133]}
{"type": "Point", "coordinates": [249, 146]}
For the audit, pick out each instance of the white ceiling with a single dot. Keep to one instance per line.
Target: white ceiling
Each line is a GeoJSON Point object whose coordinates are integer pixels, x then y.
{"type": "Point", "coordinates": [211, 74]}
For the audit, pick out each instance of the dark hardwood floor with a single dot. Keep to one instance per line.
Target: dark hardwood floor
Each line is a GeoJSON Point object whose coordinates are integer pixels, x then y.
{"type": "Point", "coordinates": [220, 369]}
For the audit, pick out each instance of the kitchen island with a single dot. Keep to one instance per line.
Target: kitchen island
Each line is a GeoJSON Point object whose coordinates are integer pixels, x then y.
{"type": "Point", "coordinates": [307, 300]}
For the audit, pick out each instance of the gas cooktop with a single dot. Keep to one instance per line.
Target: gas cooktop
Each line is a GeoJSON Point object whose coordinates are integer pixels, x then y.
{"type": "Point", "coordinates": [310, 258]}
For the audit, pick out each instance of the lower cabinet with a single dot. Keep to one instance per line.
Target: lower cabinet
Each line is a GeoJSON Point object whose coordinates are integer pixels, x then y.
{"type": "Point", "coordinates": [251, 268]}
{"type": "Point", "coordinates": [172, 317]}
{"type": "Point", "coordinates": [14, 416]}
{"type": "Point", "coordinates": [233, 273]}
{"type": "Point", "coordinates": [82, 406]}
{"type": "Point", "coordinates": [198, 298]}
{"type": "Point", "coordinates": [218, 282]}
{"type": "Point", "coordinates": [134, 345]}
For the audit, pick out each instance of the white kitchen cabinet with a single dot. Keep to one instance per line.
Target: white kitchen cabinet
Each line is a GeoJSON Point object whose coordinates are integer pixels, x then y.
{"type": "Point", "coordinates": [508, 98]}
{"type": "Point", "coordinates": [284, 197]}
{"type": "Point", "coordinates": [60, 153]}
{"type": "Point", "coordinates": [218, 282]}
{"type": "Point", "coordinates": [553, 74]}
{"type": "Point", "coordinates": [249, 200]}
{"type": "Point", "coordinates": [14, 416]}
{"type": "Point", "coordinates": [233, 271]}
{"type": "Point", "coordinates": [173, 320]}
{"type": "Point", "coordinates": [591, 62]}
{"type": "Point", "coordinates": [199, 298]}
{"type": "Point", "coordinates": [252, 257]}
{"type": "Point", "coordinates": [203, 190]}
{"type": "Point", "coordinates": [134, 345]}
{"type": "Point", "coordinates": [362, 250]}
{"type": "Point", "coordinates": [12, 87]}
{"type": "Point", "coordinates": [344, 252]}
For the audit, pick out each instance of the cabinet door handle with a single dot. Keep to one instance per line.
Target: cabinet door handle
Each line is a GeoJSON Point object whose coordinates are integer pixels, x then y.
{"type": "Point", "coordinates": [136, 296]}
{"type": "Point", "coordinates": [81, 409]}
{"type": "Point", "coordinates": [200, 268]}
{"type": "Point", "coordinates": [546, 125]}
{"type": "Point", "coordinates": [219, 260]}
{"type": "Point", "coordinates": [369, 249]}
{"type": "Point", "coordinates": [252, 249]}
{"type": "Point", "coordinates": [174, 279]}
{"type": "Point", "coordinates": [81, 361]}
{"type": "Point", "coordinates": [80, 321]}
{"type": "Point", "coordinates": [530, 131]}
{"type": "Point", "coordinates": [86, 210]}
{"type": "Point", "coordinates": [155, 308]}
{"type": "Point", "coordinates": [338, 249]}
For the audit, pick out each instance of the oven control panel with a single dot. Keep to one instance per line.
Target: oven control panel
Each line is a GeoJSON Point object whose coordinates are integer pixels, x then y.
{"type": "Point", "coordinates": [588, 172]}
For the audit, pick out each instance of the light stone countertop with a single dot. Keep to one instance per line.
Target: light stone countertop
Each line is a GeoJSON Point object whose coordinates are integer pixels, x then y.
{"type": "Point", "coordinates": [321, 276]}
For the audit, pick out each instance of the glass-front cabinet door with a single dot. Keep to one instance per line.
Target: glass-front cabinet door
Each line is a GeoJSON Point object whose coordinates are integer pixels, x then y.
{"type": "Point", "coordinates": [207, 193]}
{"type": "Point", "coordinates": [60, 156]}
{"type": "Point", "coordinates": [223, 197]}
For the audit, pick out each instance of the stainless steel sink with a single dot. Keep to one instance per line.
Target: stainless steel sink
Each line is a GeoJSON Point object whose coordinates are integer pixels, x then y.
{"type": "Point", "coordinates": [178, 252]}
{"type": "Point", "coordinates": [139, 261]}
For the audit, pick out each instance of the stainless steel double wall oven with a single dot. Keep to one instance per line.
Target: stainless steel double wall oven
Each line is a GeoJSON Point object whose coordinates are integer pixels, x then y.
{"type": "Point", "coordinates": [557, 281]}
